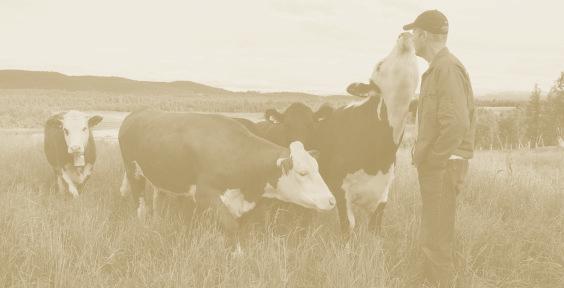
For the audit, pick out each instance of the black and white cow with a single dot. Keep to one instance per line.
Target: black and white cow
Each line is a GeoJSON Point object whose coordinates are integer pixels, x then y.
{"type": "Point", "coordinates": [296, 123]}
{"type": "Point", "coordinates": [217, 160]}
{"type": "Point", "coordinates": [358, 143]}
{"type": "Point", "coordinates": [70, 149]}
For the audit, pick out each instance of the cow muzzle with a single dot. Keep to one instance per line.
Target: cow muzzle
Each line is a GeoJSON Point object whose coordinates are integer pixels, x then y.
{"type": "Point", "coordinates": [326, 204]}
{"type": "Point", "coordinates": [78, 159]}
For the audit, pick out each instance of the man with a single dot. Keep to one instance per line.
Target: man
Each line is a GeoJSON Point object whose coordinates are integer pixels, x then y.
{"type": "Point", "coordinates": [445, 143]}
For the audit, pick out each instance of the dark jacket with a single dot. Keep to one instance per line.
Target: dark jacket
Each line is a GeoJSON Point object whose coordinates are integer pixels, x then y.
{"type": "Point", "coordinates": [446, 117]}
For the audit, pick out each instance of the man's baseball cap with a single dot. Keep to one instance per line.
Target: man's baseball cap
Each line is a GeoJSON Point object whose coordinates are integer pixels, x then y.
{"type": "Point", "coordinates": [431, 21]}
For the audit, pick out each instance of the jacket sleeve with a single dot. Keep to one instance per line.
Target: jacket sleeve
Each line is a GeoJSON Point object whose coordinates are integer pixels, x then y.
{"type": "Point", "coordinates": [452, 115]}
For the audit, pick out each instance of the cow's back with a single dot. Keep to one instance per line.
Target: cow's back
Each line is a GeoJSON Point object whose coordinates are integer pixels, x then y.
{"type": "Point", "coordinates": [270, 131]}
{"type": "Point", "coordinates": [174, 148]}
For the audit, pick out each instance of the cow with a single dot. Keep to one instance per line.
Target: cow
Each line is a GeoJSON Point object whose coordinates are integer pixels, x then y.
{"type": "Point", "coordinates": [218, 161]}
{"type": "Point", "coordinates": [70, 149]}
{"type": "Point", "coordinates": [358, 142]}
{"type": "Point", "coordinates": [296, 123]}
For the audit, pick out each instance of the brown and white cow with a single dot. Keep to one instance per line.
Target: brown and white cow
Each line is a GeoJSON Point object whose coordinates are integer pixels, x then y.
{"type": "Point", "coordinates": [70, 149]}
{"type": "Point", "coordinates": [358, 143]}
{"type": "Point", "coordinates": [219, 161]}
{"type": "Point", "coordinates": [295, 123]}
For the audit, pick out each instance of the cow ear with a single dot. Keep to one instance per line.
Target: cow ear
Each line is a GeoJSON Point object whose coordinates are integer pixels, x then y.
{"type": "Point", "coordinates": [94, 120]}
{"type": "Point", "coordinates": [285, 164]}
{"type": "Point", "coordinates": [314, 154]}
{"type": "Point", "coordinates": [363, 90]}
{"type": "Point", "coordinates": [273, 116]}
{"type": "Point", "coordinates": [323, 112]}
{"type": "Point", "coordinates": [54, 121]}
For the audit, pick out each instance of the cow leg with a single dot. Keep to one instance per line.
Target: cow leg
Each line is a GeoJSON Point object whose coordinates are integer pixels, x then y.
{"type": "Point", "coordinates": [61, 186]}
{"type": "Point", "coordinates": [73, 190]}
{"type": "Point", "coordinates": [157, 197]}
{"type": "Point", "coordinates": [80, 187]}
{"type": "Point", "coordinates": [85, 175]}
{"type": "Point", "coordinates": [350, 212]}
{"type": "Point", "coordinates": [125, 187]}
{"type": "Point", "coordinates": [375, 223]}
{"type": "Point", "coordinates": [138, 193]}
{"type": "Point", "coordinates": [209, 198]}
{"type": "Point", "coordinates": [134, 181]}
{"type": "Point", "coordinates": [342, 206]}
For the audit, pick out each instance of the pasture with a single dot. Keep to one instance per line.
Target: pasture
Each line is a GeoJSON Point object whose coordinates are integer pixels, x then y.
{"type": "Point", "coordinates": [510, 229]}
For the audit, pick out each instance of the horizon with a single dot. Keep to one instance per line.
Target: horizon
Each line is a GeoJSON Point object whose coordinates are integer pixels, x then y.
{"type": "Point", "coordinates": [520, 93]}
{"type": "Point", "coordinates": [316, 47]}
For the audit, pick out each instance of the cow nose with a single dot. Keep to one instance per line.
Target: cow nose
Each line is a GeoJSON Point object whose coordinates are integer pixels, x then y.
{"type": "Point", "coordinates": [74, 148]}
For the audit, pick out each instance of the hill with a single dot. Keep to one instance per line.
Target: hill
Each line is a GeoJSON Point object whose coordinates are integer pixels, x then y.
{"type": "Point", "coordinates": [20, 79]}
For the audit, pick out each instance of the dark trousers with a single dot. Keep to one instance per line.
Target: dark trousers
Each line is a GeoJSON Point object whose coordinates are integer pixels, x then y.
{"type": "Point", "coordinates": [439, 187]}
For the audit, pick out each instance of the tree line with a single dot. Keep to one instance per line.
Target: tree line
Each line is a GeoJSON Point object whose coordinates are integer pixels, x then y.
{"type": "Point", "coordinates": [538, 122]}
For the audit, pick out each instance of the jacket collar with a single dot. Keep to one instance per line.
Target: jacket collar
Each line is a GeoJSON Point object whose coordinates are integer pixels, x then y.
{"type": "Point", "coordinates": [442, 54]}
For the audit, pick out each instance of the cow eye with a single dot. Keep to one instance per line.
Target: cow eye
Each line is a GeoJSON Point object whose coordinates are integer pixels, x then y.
{"type": "Point", "coordinates": [303, 173]}
{"type": "Point", "coordinates": [84, 129]}
{"type": "Point", "coordinates": [66, 131]}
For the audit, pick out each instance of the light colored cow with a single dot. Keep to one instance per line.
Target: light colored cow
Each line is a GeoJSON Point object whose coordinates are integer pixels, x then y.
{"type": "Point", "coordinates": [70, 149]}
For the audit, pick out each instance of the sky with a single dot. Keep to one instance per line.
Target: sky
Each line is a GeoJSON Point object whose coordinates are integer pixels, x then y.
{"type": "Point", "coordinates": [316, 46]}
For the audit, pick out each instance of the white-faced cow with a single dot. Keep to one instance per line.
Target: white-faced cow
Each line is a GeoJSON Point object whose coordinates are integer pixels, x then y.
{"type": "Point", "coordinates": [296, 123]}
{"type": "Point", "coordinates": [70, 149]}
{"type": "Point", "coordinates": [358, 143]}
{"type": "Point", "coordinates": [219, 160]}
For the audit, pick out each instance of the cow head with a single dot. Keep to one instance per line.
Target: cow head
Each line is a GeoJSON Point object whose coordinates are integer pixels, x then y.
{"type": "Point", "coordinates": [296, 123]}
{"type": "Point", "coordinates": [75, 126]}
{"type": "Point", "coordinates": [396, 77]}
{"type": "Point", "coordinates": [300, 182]}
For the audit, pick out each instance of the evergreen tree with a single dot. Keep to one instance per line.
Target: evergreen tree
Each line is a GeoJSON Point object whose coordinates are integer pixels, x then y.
{"type": "Point", "coordinates": [533, 118]}
{"type": "Point", "coordinates": [553, 116]}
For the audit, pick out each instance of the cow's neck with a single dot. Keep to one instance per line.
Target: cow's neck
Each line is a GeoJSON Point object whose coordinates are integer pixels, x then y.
{"type": "Point", "coordinates": [397, 109]}
{"type": "Point", "coordinates": [262, 169]}
{"type": "Point", "coordinates": [397, 90]}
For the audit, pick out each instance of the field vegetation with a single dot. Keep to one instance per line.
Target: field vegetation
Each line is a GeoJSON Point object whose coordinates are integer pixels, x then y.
{"type": "Point", "coordinates": [510, 229]}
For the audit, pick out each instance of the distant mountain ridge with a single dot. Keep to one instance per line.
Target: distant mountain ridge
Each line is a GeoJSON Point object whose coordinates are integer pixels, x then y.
{"type": "Point", "coordinates": [21, 79]}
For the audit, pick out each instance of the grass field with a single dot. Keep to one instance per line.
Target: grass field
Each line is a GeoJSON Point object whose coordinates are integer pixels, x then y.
{"type": "Point", "coordinates": [510, 233]}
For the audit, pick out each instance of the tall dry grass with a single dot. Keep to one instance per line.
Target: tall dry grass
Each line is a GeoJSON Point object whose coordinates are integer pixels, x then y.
{"type": "Point", "coordinates": [510, 233]}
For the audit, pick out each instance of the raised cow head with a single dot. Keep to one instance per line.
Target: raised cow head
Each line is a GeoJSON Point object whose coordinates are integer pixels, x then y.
{"type": "Point", "coordinates": [299, 181]}
{"type": "Point", "coordinates": [76, 127]}
{"type": "Point", "coordinates": [396, 77]}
